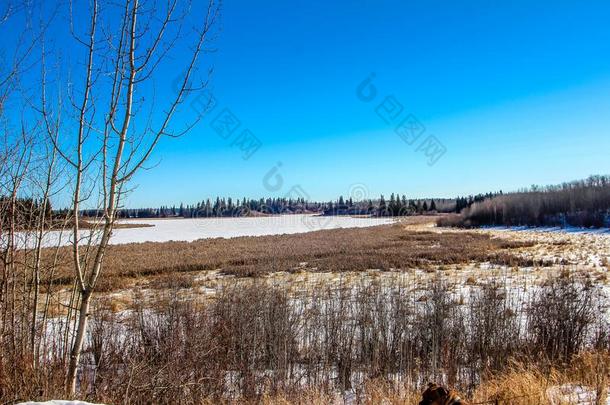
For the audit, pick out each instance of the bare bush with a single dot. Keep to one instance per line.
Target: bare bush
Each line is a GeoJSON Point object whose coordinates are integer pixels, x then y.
{"type": "Point", "coordinates": [256, 340]}
{"type": "Point", "coordinates": [562, 316]}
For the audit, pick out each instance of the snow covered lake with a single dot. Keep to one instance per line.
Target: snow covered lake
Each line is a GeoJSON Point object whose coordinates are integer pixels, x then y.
{"type": "Point", "coordinates": [202, 228]}
{"type": "Point", "coordinates": [164, 230]}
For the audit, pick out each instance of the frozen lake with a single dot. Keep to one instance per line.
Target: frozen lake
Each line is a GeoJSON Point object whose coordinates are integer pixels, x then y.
{"type": "Point", "coordinates": [164, 230]}
{"type": "Point", "coordinates": [202, 228]}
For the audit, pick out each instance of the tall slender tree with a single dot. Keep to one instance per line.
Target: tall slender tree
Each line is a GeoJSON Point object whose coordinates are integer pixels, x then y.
{"type": "Point", "coordinates": [115, 124]}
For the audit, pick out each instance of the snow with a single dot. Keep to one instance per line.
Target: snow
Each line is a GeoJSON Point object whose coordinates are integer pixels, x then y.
{"type": "Point", "coordinates": [567, 394]}
{"type": "Point", "coordinates": [190, 229]}
{"type": "Point", "coordinates": [202, 228]}
{"type": "Point", "coordinates": [57, 402]}
{"type": "Point", "coordinates": [553, 229]}
{"type": "Point", "coordinates": [572, 394]}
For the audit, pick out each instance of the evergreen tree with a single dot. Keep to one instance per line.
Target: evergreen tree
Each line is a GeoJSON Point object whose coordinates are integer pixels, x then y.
{"type": "Point", "coordinates": [382, 206]}
{"type": "Point", "coordinates": [404, 204]}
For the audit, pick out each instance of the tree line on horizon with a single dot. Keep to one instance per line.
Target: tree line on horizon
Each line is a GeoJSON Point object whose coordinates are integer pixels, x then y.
{"type": "Point", "coordinates": [396, 205]}
{"type": "Point", "coordinates": [580, 203]}
{"type": "Point", "coordinates": [228, 207]}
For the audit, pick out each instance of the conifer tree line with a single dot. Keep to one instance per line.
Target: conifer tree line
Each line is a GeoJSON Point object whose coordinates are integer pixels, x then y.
{"type": "Point", "coordinates": [581, 203]}
{"type": "Point", "coordinates": [26, 211]}
{"type": "Point", "coordinates": [396, 205]}
{"type": "Point", "coordinates": [230, 207]}
{"type": "Point", "coordinates": [465, 202]}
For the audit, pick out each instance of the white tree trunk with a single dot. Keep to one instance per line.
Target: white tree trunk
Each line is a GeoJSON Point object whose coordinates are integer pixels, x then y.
{"type": "Point", "coordinates": [83, 319]}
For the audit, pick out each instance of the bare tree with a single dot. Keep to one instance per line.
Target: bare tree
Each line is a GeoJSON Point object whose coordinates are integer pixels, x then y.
{"type": "Point", "coordinates": [116, 122]}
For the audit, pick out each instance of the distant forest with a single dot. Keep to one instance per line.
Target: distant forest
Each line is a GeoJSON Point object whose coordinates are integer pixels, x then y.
{"type": "Point", "coordinates": [23, 212]}
{"type": "Point", "coordinates": [396, 205]}
{"type": "Point", "coordinates": [26, 209]}
{"type": "Point", "coordinates": [582, 203]}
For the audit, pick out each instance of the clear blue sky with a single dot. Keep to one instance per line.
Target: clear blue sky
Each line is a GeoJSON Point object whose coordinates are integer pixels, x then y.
{"type": "Point", "coordinates": [517, 92]}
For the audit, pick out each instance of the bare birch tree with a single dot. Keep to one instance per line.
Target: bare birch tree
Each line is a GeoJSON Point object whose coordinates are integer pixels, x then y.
{"type": "Point", "coordinates": [117, 124]}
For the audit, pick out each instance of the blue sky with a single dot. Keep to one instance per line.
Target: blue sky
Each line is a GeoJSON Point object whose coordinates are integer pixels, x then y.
{"type": "Point", "coordinates": [517, 93]}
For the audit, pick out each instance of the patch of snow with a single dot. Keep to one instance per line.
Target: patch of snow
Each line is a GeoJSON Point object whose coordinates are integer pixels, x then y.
{"type": "Point", "coordinates": [550, 229]}
{"type": "Point", "coordinates": [572, 394]}
{"type": "Point", "coordinates": [58, 402]}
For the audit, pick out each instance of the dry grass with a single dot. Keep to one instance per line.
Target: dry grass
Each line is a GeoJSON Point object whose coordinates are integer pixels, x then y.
{"type": "Point", "coordinates": [387, 248]}
{"type": "Point", "coordinates": [529, 384]}
{"type": "Point", "coordinates": [520, 384]}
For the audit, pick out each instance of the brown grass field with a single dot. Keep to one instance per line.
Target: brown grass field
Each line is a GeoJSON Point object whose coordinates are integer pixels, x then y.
{"type": "Point", "coordinates": [387, 248]}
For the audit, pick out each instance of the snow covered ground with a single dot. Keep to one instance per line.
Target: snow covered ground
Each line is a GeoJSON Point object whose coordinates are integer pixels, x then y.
{"type": "Point", "coordinates": [574, 246]}
{"type": "Point", "coordinates": [58, 402]}
{"type": "Point", "coordinates": [557, 229]}
{"type": "Point", "coordinates": [573, 394]}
